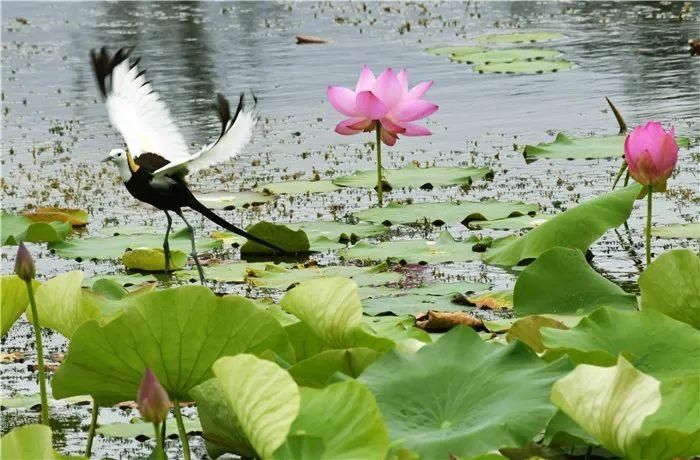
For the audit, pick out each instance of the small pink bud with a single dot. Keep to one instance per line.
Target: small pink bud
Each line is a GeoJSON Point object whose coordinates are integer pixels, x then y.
{"type": "Point", "coordinates": [651, 154]}
{"type": "Point", "coordinates": [152, 399]}
{"type": "Point", "coordinates": [24, 264]}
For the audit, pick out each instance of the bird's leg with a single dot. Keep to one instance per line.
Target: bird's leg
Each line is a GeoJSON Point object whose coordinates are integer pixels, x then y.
{"type": "Point", "coordinates": [194, 249]}
{"type": "Point", "coordinates": [166, 244]}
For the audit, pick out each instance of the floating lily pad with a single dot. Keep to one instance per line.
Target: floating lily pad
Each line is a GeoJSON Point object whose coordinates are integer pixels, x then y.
{"type": "Point", "coordinates": [76, 217]}
{"type": "Point", "coordinates": [519, 37]}
{"type": "Point", "coordinates": [276, 277]}
{"type": "Point", "coordinates": [449, 50]}
{"type": "Point", "coordinates": [413, 176]}
{"type": "Point", "coordinates": [153, 260]}
{"type": "Point", "coordinates": [445, 213]}
{"type": "Point", "coordinates": [298, 186]}
{"type": "Point", "coordinates": [114, 247]}
{"type": "Point", "coordinates": [339, 231]}
{"type": "Point", "coordinates": [293, 242]}
{"type": "Point", "coordinates": [576, 228]}
{"type": "Point", "coordinates": [510, 223]}
{"type": "Point", "coordinates": [234, 200]}
{"type": "Point", "coordinates": [523, 67]}
{"type": "Point", "coordinates": [680, 231]}
{"type": "Point", "coordinates": [234, 272]}
{"type": "Point", "coordinates": [16, 229]}
{"type": "Point", "coordinates": [34, 401]}
{"type": "Point", "coordinates": [438, 296]}
{"type": "Point", "coordinates": [457, 397]}
{"type": "Point", "coordinates": [143, 430]}
{"type": "Point", "coordinates": [568, 148]}
{"type": "Point", "coordinates": [125, 280]}
{"type": "Point", "coordinates": [504, 55]}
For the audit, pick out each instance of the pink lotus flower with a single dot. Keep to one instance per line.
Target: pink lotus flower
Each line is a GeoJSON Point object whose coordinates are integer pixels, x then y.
{"type": "Point", "coordinates": [385, 100]}
{"type": "Point", "coordinates": [152, 399]}
{"type": "Point", "coordinates": [651, 154]}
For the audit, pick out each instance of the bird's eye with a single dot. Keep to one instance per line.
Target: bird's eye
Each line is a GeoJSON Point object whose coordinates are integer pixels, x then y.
{"type": "Point", "coordinates": [119, 154]}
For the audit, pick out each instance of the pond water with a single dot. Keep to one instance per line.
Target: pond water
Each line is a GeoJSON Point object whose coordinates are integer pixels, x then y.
{"type": "Point", "coordinates": [55, 128]}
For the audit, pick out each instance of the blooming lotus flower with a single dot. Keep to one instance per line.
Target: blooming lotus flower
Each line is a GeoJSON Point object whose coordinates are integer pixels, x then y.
{"type": "Point", "coordinates": [384, 102]}
{"type": "Point", "coordinates": [651, 154]}
{"type": "Point", "coordinates": [152, 398]}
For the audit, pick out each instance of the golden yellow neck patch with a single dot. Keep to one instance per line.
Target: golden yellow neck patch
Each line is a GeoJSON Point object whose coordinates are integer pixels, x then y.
{"type": "Point", "coordinates": [132, 164]}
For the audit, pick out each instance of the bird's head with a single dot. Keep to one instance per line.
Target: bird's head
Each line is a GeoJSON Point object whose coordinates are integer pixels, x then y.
{"type": "Point", "coordinates": [124, 161]}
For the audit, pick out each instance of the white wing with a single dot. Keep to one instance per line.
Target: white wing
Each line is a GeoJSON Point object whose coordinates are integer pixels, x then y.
{"type": "Point", "coordinates": [135, 109]}
{"type": "Point", "coordinates": [236, 133]}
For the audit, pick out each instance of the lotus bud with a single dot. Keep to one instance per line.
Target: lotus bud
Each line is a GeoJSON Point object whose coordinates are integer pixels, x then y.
{"type": "Point", "coordinates": [152, 399]}
{"type": "Point", "coordinates": [651, 154]}
{"type": "Point", "coordinates": [24, 264]}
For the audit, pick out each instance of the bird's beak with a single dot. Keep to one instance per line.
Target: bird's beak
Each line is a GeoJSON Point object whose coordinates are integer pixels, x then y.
{"type": "Point", "coordinates": [105, 160]}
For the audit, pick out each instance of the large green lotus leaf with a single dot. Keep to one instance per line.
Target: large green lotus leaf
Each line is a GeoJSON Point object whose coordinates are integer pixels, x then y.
{"type": "Point", "coordinates": [332, 310]}
{"type": "Point", "coordinates": [298, 186]}
{"type": "Point", "coordinates": [671, 285]}
{"type": "Point", "coordinates": [629, 412]}
{"type": "Point", "coordinates": [263, 397]}
{"type": "Point", "coordinates": [29, 442]}
{"type": "Point", "coordinates": [142, 430]}
{"type": "Point", "coordinates": [524, 67]}
{"type": "Point", "coordinates": [234, 200]}
{"type": "Point", "coordinates": [126, 280]}
{"type": "Point", "coordinates": [339, 232]}
{"type": "Point", "coordinates": [283, 237]}
{"type": "Point", "coordinates": [178, 333]}
{"type": "Point", "coordinates": [400, 329]}
{"type": "Point", "coordinates": [444, 249]}
{"type": "Point", "coordinates": [577, 228]}
{"type": "Point", "coordinates": [346, 418]}
{"type": "Point", "coordinates": [510, 223]}
{"type": "Point", "coordinates": [114, 247]}
{"type": "Point", "coordinates": [527, 330]}
{"type": "Point", "coordinates": [504, 55]}
{"type": "Point", "coordinates": [680, 231]}
{"type": "Point", "coordinates": [450, 50]}
{"type": "Point", "coordinates": [438, 296]}
{"type": "Point", "coordinates": [642, 337]}
{"type": "Point", "coordinates": [413, 176]}
{"type": "Point", "coordinates": [275, 277]}
{"type": "Point", "coordinates": [14, 300]}
{"type": "Point", "coordinates": [320, 369]}
{"type": "Point", "coordinates": [445, 213]}
{"type": "Point", "coordinates": [458, 397]}
{"type": "Point", "coordinates": [153, 259]}
{"type": "Point", "coordinates": [519, 37]}
{"type": "Point", "coordinates": [15, 229]}
{"type": "Point", "coordinates": [567, 148]}
{"type": "Point", "coordinates": [563, 432]}
{"type": "Point", "coordinates": [561, 282]}
{"type": "Point", "coordinates": [234, 272]}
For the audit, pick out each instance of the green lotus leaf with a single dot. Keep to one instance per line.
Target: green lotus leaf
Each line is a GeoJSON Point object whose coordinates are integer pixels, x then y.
{"type": "Point", "coordinates": [642, 337]}
{"type": "Point", "coordinates": [114, 247]}
{"type": "Point", "coordinates": [275, 277]}
{"type": "Point", "coordinates": [281, 236]}
{"type": "Point", "coordinates": [332, 310]}
{"type": "Point", "coordinates": [16, 229]}
{"type": "Point", "coordinates": [234, 200]}
{"type": "Point", "coordinates": [143, 430]}
{"type": "Point", "coordinates": [126, 280]}
{"type": "Point", "coordinates": [153, 260]}
{"type": "Point", "coordinates": [444, 249]}
{"type": "Point", "coordinates": [438, 296]}
{"type": "Point", "coordinates": [14, 300]}
{"type": "Point", "coordinates": [561, 282]}
{"type": "Point", "coordinates": [670, 285]}
{"type": "Point", "coordinates": [630, 413]}
{"type": "Point", "coordinates": [298, 187]}
{"type": "Point", "coordinates": [449, 50]}
{"type": "Point", "coordinates": [510, 223]}
{"type": "Point", "coordinates": [234, 272]}
{"type": "Point", "coordinates": [320, 369]}
{"type": "Point", "coordinates": [567, 148]}
{"type": "Point", "coordinates": [413, 176]}
{"type": "Point", "coordinates": [33, 401]}
{"type": "Point", "coordinates": [504, 55]}
{"type": "Point", "coordinates": [29, 442]}
{"type": "Point", "coordinates": [492, 300]}
{"type": "Point", "coordinates": [76, 217]}
{"type": "Point", "coordinates": [564, 432]}
{"type": "Point", "coordinates": [527, 330]}
{"type": "Point", "coordinates": [178, 333]}
{"type": "Point", "coordinates": [457, 397]}
{"type": "Point", "coordinates": [339, 232]}
{"type": "Point", "coordinates": [345, 418]}
{"type": "Point", "coordinates": [445, 213]}
{"type": "Point", "coordinates": [400, 329]}
{"type": "Point", "coordinates": [680, 231]}
{"type": "Point", "coordinates": [519, 37]}
{"type": "Point", "coordinates": [109, 289]}
{"type": "Point", "coordinates": [577, 228]}
{"type": "Point", "coordinates": [263, 397]}
{"type": "Point", "coordinates": [524, 67]}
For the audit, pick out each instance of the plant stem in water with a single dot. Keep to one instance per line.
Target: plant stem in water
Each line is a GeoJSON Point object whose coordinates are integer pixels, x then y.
{"type": "Point", "coordinates": [380, 188]}
{"type": "Point", "coordinates": [648, 232]}
{"type": "Point", "coordinates": [181, 429]}
{"type": "Point", "coordinates": [159, 453]}
{"type": "Point", "coordinates": [91, 431]}
{"type": "Point", "coordinates": [40, 356]}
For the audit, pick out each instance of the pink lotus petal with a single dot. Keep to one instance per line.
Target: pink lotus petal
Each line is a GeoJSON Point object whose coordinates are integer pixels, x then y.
{"type": "Point", "coordinates": [413, 129]}
{"type": "Point", "coordinates": [344, 126]}
{"type": "Point", "coordinates": [342, 100]}
{"type": "Point", "coordinates": [402, 77]}
{"type": "Point", "coordinates": [387, 88]}
{"type": "Point", "coordinates": [651, 154]}
{"type": "Point", "coordinates": [364, 124]}
{"type": "Point", "coordinates": [392, 127]}
{"type": "Point", "coordinates": [388, 138]}
{"type": "Point", "coordinates": [366, 80]}
{"type": "Point", "coordinates": [419, 90]}
{"type": "Point", "coordinates": [413, 109]}
{"type": "Point", "coordinates": [370, 106]}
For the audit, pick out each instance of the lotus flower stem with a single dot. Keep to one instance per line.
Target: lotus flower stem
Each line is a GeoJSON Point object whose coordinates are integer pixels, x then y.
{"type": "Point", "coordinates": [181, 429]}
{"type": "Point", "coordinates": [39, 354]}
{"type": "Point", "coordinates": [91, 431]}
{"type": "Point", "coordinates": [380, 187]}
{"type": "Point", "coordinates": [159, 452]}
{"type": "Point", "coordinates": [623, 168]}
{"type": "Point", "coordinates": [648, 229]}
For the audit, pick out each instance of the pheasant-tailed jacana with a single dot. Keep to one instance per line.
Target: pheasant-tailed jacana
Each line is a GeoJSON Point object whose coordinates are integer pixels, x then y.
{"type": "Point", "coordinates": [156, 161]}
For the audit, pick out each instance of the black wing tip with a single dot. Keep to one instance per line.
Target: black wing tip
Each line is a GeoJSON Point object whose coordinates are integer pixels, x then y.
{"type": "Point", "coordinates": [103, 64]}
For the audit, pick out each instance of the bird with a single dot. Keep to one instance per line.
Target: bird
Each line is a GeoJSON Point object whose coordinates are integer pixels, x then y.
{"type": "Point", "coordinates": [156, 161]}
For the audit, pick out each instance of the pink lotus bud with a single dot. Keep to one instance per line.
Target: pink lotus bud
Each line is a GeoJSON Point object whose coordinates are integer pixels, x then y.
{"type": "Point", "coordinates": [651, 154]}
{"type": "Point", "coordinates": [24, 264]}
{"type": "Point", "coordinates": [152, 399]}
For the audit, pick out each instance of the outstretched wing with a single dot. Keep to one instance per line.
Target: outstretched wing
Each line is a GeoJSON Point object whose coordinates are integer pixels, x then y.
{"type": "Point", "coordinates": [236, 132]}
{"type": "Point", "coordinates": [134, 107]}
